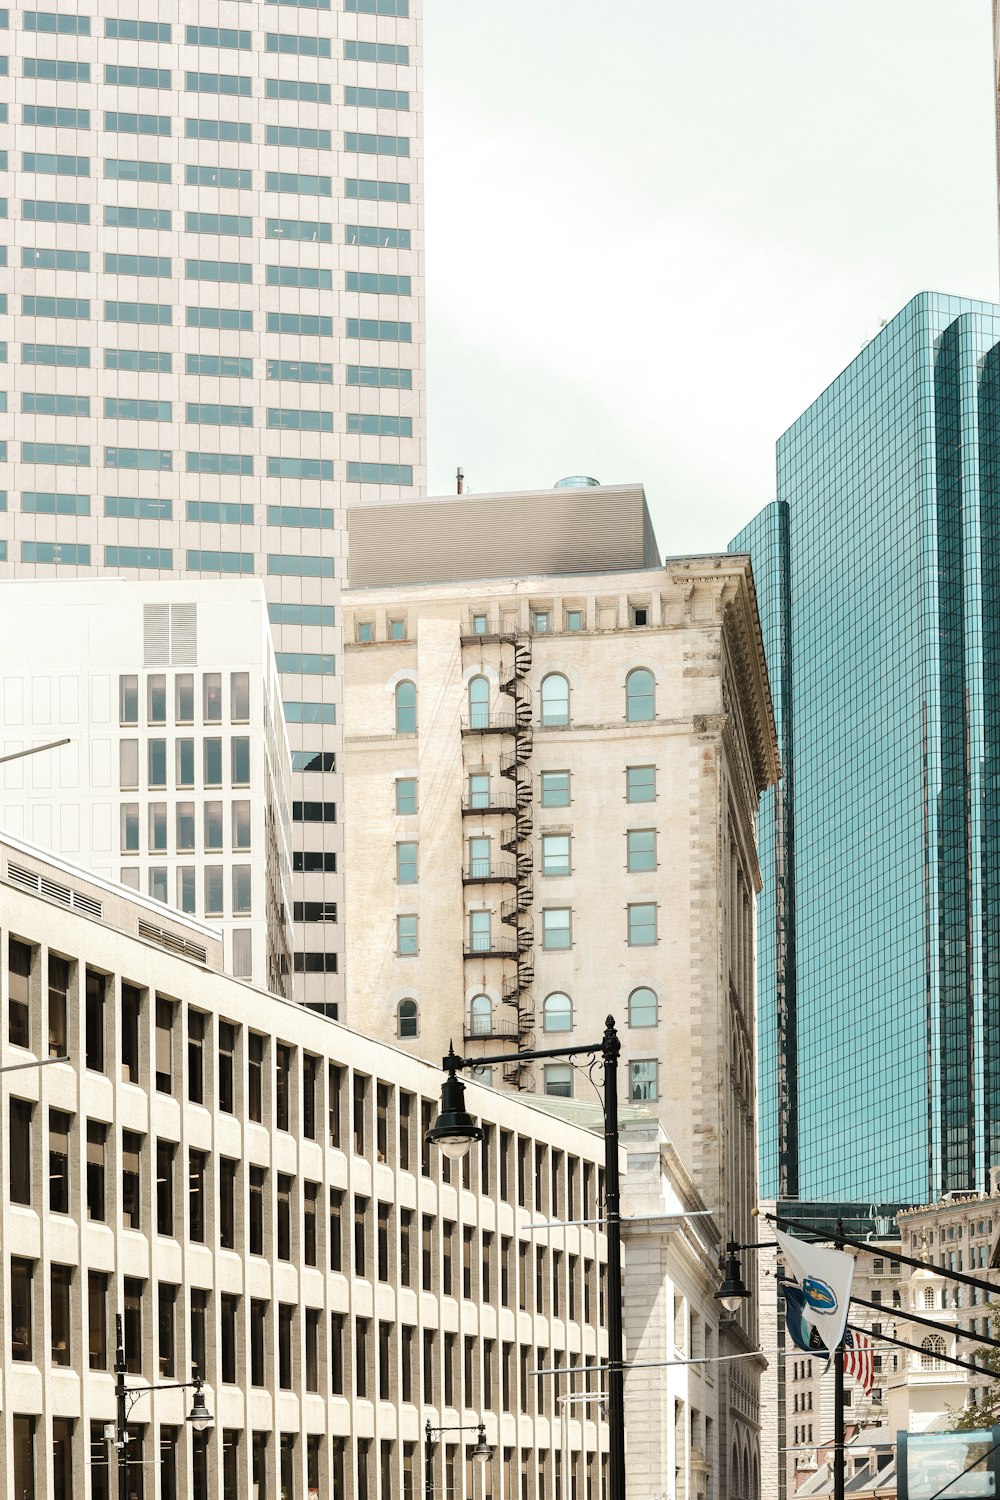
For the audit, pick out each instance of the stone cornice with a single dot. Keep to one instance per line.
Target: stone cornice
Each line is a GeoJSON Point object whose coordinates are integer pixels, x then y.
{"type": "Point", "coordinates": [737, 598]}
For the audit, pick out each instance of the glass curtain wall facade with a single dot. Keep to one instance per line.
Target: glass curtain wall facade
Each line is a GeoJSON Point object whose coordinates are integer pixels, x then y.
{"type": "Point", "coordinates": [212, 323]}
{"type": "Point", "coordinates": [878, 569]}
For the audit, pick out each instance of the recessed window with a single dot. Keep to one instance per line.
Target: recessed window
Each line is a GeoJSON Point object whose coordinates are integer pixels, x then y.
{"type": "Point", "coordinates": [481, 1016]}
{"type": "Point", "coordinates": [406, 863]}
{"type": "Point", "coordinates": [479, 703]}
{"type": "Point", "coordinates": [642, 1008]}
{"type": "Point", "coordinates": [128, 700]}
{"type": "Point", "coordinates": [406, 795]}
{"type": "Point", "coordinates": [640, 696]}
{"type": "Point", "coordinates": [643, 1081]}
{"type": "Point", "coordinates": [557, 1012]}
{"type": "Point", "coordinates": [640, 784]}
{"type": "Point", "coordinates": [480, 938]}
{"type": "Point", "coordinates": [397, 630]}
{"type": "Point", "coordinates": [558, 1080]}
{"type": "Point", "coordinates": [641, 847]}
{"type": "Point", "coordinates": [555, 854]}
{"type": "Point", "coordinates": [407, 1019]}
{"type": "Point", "coordinates": [365, 631]}
{"type": "Point", "coordinates": [480, 624]}
{"type": "Point", "coordinates": [642, 924]}
{"type": "Point", "coordinates": [406, 708]}
{"type": "Point", "coordinates": [574, 619]}
{"type": "Point", "coordinates": [555, 699]}
{"type": "Point", "coordinates": [479, 859]}
{"type": "Point", "coordinates": [406, 936]}
{"type": "Point", "coordinates": [479, 789]}
{"type": "Point", "coordinates": [555, 788]}
{"type": "Point", "coordinates": [540, 621]}
{"type": "Point", "coordinates": [556, 927]}
{"type": "Point", "coordinates": [640, 614]}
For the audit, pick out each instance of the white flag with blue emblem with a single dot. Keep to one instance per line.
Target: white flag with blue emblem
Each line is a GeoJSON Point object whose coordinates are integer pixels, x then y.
{"type": "Point", "coordinates": [825, 1278]}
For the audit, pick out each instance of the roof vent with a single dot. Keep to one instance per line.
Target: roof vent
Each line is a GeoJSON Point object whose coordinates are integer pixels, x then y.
{"type": "Point", "coordinates": [577, 482]}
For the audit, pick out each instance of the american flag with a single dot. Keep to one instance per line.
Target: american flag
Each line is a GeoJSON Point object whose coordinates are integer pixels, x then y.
{"type": "Point", "coordinates": [859, 1359]}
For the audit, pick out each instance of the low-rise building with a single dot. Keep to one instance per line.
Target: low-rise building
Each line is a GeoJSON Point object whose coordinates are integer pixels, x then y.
{"type": "Point", "coordinates": [248, 1184]}
{"type": "Point", "coordinates": [176, 776]}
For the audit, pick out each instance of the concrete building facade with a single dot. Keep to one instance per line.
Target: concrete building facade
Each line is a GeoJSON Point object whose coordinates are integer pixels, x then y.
{"type": "Point", "coordinates": [176, 779]}
{"type": "Point", "coordinates": [211, 314]}
{"type": "Point", "coordinates": [247, 1182]}
{"type": "Point", "coordinates": [551, 788]}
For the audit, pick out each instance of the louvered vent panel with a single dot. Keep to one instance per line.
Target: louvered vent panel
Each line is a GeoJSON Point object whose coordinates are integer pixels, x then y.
{"type": "Point", "coordinates": [27, 878]}
{"type": "Point", "coordinates": [89, 904]}
{"type": "Point", "coordinates": [156, 635]}
{"type": "Point", "coordinates": [183, 634]}
{"type": "Point", "coordinates": [170, 941]}
{"type": "Point", "coordinates": [54, 891]}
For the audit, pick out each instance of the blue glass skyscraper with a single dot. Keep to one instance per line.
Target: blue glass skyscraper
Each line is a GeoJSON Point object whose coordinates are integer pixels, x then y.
{"type": "Point", "coordinates": [878, 573]}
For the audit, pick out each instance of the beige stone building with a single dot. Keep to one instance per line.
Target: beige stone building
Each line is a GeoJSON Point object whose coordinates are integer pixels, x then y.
{"type": "Point", "coordinates": [247, 1183]}
{"type": "Point", "coordinates": [551, 788]}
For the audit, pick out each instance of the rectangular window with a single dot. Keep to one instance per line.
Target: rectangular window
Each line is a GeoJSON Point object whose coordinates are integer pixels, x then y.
{"type": "Point", "coordinates": [643, 1081]}
{"type": "Point", "coordinates": [166, 1151]}
{"type": "Point", "coordinates": [227, 1203]}
{"type": "Point", "coordinates": [196, 1195]}
{"type": "Point", "coordinates": [406, 936]}
{"type": "Point", "coordinates": [283, 1083]}
{"type": "Point", "coordinates": [97, 1138]}
{"type": "Point", "coordinates": [556, 927]}
{"type": "Point", "coordinates": [556, 854]}
{"type": "Point", "coordinates": [642, 924]}
{"type": "Point", "coordinates": [21, 1311]}
{"type": "Point", "coordinates": [196, 1056]}
{"type": "Point", "coordinates": [641, 849]}
{"type": "Point", "coordinates": [59, 1133]}
{"type": "Point", "coordinates": [97, 1319]}
{"type": "Point", "coordinates": [166, 1308]}
{"type": "Point", "coordinates": [406, 863]}
{"type": "Point", "coordinates": [555, 788]}
{"type": "Point", "coordinates": [131, 1180]}
{"type": "Point", "coordinates": [255, 1077]}
{"type": "Point", "coordinates": [640, 784]}
{"type": "Point", "coordinates": [130, 1010]}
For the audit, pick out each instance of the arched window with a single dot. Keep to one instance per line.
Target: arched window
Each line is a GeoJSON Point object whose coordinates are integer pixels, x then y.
{"type": "Point", "coordinates": [406, 1018]}
{"type": "Point", "coordinates": [933, 1347]}
{"type": "Point", "coordinates": [481, 1015]}
{"type": "Point", "coordinates": [406, 707]}
{"type": "Point", "coordinates": [479, 703]}
{"type": "Point", "coordinates": [555, 699]}
{"type": "Point", "coordinates": [640, 696]}
{"type": "Point", "coordinates": [642, 1008]}
{"type": "Point", "coordinates": [557, 1013]}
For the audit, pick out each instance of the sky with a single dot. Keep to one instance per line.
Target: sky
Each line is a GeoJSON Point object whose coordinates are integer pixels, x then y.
{"type": "Point", "coordinates": [656, 229]}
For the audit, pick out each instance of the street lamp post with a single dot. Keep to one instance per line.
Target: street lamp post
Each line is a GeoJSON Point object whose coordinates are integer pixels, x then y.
{"type": "Point", "coordinates": [455, 1131]}
{"type": "Point", "coordinates": [482, 1451]}
{"type": "Point", "coordinates": [127, 1395]}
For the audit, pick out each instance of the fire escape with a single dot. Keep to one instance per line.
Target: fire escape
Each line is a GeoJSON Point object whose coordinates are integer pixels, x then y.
{"type": "Point", "coordinates": [515, 809]}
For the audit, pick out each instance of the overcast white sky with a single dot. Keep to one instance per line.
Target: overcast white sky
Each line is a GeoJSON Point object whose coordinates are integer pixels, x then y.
{"type": "Point", "coordinates": [656, 229]}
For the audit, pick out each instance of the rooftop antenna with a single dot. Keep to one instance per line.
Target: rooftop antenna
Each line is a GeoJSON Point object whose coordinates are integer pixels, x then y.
{"type": "Point", "coordinates": [459, 481]}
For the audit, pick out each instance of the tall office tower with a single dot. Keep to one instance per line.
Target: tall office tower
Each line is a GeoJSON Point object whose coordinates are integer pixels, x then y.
{"type": "Point", "coordinates": [214, 343]}
{"type": "Point", "coordinates": [879, 932]}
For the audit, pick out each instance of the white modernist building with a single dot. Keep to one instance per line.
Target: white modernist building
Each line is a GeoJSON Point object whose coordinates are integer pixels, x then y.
{"type": "Point", "coordinates": [211, 315]}
{"type": "Point", "coordinates": [247, 1183]}
{"type": "Point", "coordinates": [176, 778]}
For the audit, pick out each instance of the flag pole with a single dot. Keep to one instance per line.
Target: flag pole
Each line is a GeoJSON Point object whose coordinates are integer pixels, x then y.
{"type": "Point", "coordinates": [839, 1426]}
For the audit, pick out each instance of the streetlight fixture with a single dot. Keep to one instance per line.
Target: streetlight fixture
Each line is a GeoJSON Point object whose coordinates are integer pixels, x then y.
{"type": "Point", "coordinates": [482, 1451]}
{"type": "Point", "coordinates": [733, 1290]}
{"type": "Point", "coordinates": [199, 1417]}
{"type": "Point", "coordinates": [456, 1131]}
